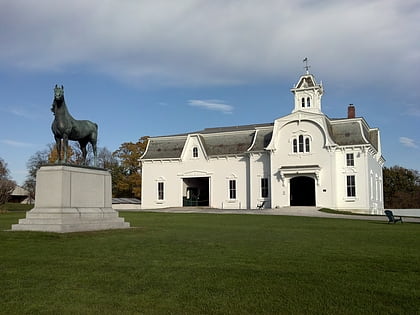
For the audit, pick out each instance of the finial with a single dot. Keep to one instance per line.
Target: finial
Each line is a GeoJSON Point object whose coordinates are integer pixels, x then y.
{"type": "Point", "coordinates": [306, 67]}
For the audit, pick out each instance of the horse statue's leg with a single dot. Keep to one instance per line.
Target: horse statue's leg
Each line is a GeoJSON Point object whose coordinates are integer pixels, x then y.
{"type": "Point", "coordinates": [83, 145]}
{"type": "Point", "coordinates": [95, 154]}
{"type": "Point", "coordinates": [58, 147]}
{"type": "Point", "coordinates": [93, 141]}
{"type": "Point", "coordinates": [65, 145]}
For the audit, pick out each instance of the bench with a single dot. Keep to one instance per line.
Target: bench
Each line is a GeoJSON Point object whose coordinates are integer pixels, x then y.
{"type": "Point", "coordinates": [261, 205]}
{"type": "Point", "coordinates": [392, 218]}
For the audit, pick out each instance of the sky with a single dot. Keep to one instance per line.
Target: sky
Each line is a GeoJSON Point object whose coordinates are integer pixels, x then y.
{"type": "Point", "coordinates": [159, 67]}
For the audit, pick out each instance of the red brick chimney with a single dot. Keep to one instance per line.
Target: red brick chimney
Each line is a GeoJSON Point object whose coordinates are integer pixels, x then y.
{"type": "Point", "coordinates": [351, 111]}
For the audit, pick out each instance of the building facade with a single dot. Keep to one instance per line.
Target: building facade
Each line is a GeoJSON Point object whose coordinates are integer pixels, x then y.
{"type": "Point", "coordinates": [301, 159]}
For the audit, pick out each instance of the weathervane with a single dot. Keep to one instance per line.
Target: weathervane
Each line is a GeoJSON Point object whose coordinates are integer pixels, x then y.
{"type": "Point", "coordinates": [306, 67]}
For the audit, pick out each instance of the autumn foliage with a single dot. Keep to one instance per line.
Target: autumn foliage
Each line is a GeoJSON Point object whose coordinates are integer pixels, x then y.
{"type": "Point", "coordinates": [126, 176]}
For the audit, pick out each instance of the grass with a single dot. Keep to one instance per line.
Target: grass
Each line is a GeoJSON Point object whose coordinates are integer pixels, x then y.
{"type": "Point", "coordinates": [213, 264]}
{"type": "Point", "coordinates": [11, 206]}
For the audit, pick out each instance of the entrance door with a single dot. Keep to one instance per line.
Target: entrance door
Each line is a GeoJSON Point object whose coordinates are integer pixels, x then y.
{"type": "Point", "coordinates": [196, 192]}
{"type": "Point", "coordinates": [302, 191]}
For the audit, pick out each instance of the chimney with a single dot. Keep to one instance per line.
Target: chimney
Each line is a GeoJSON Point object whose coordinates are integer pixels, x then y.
{"type": "Point", "coordinates": [351, 111]}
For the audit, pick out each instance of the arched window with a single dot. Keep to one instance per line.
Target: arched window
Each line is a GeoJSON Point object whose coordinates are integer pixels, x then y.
{"type": "Point", "coordinates": [307, 146]}
{"type": "Point", "coordinates": [303, 102]}
{"type": "Point", "coordinates": [308, 102]}
{"type": "Point", "coordinates": [300, 143]}
{"type": "Point", "coordinates": [295, 146]}
{"type": "Point", "coordinates": [195, 152]}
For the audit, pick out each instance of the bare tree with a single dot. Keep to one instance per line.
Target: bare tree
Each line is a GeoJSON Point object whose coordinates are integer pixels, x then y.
{"type": "Point", "coordinates": [38, 159]}
{"type": "Point", "coordinates": [6, 184]}
{"type": "Point", "coordinates": [106, 159]}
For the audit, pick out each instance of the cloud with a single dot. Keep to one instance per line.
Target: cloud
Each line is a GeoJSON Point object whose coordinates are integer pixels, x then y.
{"type": "Point", "coordinates": [412, 110]}
{"type": "Point", "coordinates": [410, 143]}
{"type": "Point", "coordinates": [19, 112]}
{"type": "Point", "coordinates": [14, 143]}
{"type": "Point", "coordinates": [213, 42]}
{"type": "Point", "coordinates": [217, 105]}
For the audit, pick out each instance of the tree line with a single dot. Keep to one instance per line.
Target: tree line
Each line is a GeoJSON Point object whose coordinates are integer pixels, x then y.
{"type": "Point", "coordinates": [401, 186]}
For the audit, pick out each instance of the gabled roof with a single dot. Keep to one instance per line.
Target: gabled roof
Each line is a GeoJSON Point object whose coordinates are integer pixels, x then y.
{"type": "Point", "coordinates": [306, 81]}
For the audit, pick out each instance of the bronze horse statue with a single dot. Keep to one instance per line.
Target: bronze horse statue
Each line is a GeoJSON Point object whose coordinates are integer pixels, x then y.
{"type": "Point", "coordinates": [66, 128]}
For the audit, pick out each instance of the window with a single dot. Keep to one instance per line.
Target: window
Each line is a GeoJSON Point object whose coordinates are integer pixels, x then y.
{"type": "Point", "coordinates": [351, 186]}
{"type": "Point", "coordinates": [350, 159]}
{"type": "Point", "coordinates": [301, 144]}
{"type": "Point", "coordinates": [160, 191]}
{"type": "Point", "coordinates": [308, 102]}
{"type": "Point", "coordinates": [307, 147]}
{"type": "Point", "coordinates": [294, 145]}
{"type": "Point", "coordinates": [303, 102]}
{"type": "Point", "coordinates": [264, 187]}
{"type": "Point", "coordinates": [232, 189]}
{"type": "Point", "coordinates": [195, 152]}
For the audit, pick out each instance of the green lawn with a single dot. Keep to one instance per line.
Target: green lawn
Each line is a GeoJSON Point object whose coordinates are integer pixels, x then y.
{"type": "Point", "coordinates": [213, 264]}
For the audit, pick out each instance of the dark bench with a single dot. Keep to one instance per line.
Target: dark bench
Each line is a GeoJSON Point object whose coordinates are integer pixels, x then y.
{"type": "Point", "coordinates": [261, 205]}
{"type": "Point", "coordinates": [392, 218]}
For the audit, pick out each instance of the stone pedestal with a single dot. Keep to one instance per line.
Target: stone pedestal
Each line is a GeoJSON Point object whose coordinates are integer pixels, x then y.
{"type": "Point", "coordinates": [72, 199]}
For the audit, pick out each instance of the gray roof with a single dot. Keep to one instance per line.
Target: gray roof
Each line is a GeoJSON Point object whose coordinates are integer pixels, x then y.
{"type": "Point", "coordinates": [346, 133]}
{"type": "Point", "coordinates": [216, 141]}
{"type": "Point", "coordinates": [227, 143]}
{"type": "Point", "coordinates": [165, 147]}
{"type": "Point", "coordinates": [237, 140]}
{"type": "Point", "coordinates": [374, 138]}
{"type": "Point", "coordinates": [353, 132]}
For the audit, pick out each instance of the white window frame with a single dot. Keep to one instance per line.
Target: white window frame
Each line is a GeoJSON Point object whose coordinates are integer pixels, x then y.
{"type": "Point", "coordinates": [297, 145]}
{"type": "Point", "coordinates": [351, 159]}
{"type": "Point", "coordinates": [160, 190]}
{"type": "Point", "coordinates": [264, 188]}
{"type": "Point", "coordinates": [195, 152]}
{"type": "Point", "coordinates": [232, 191]}
{"type": "Point", "coordinates": [351, 187]}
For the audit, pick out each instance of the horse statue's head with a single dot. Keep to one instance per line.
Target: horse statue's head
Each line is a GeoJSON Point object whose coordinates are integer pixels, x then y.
{"type": "Point", "coordinates": [58, 97]}
{"type": "Point", "coordinates": [58, 93]}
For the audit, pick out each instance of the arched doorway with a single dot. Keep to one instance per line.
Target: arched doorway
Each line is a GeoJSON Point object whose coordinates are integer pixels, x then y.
{"type": "Point", "coordinates": [302, 191]}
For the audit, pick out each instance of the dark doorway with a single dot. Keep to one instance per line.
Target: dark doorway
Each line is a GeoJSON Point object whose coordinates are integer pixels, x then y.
{"type": "Point", "coordinates": [196, 192]}
{"type": "Point", "coordinates": [302, 191]}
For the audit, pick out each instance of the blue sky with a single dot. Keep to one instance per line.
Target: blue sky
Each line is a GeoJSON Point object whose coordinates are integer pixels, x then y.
{"type": "Point", "coordinates": [146, 68]}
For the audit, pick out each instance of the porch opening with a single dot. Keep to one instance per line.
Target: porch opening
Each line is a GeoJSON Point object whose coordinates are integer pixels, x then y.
{"type": "Point", "coordinates": [302, 191]}
{"type": "Point", "coordinates": [196, 192]}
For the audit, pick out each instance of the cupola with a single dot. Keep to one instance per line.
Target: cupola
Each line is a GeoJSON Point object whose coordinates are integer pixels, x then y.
{"type": "Point", "coordinates": [307, 92]}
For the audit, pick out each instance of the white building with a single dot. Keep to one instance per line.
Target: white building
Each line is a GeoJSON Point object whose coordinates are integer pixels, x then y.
{"type": "Point", "coordinates": [302, 159]}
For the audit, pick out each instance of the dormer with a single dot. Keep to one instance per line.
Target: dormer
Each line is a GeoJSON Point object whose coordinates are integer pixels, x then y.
{"type": "Point", "coordinates": [307, 94]}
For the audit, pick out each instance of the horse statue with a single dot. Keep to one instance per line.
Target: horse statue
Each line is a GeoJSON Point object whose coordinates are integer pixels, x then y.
{"type": "Point", "coordinates": [65, 127]}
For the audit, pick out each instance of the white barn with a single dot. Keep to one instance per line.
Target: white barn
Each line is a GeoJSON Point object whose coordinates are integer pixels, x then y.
{"type": "Point", "coordinates": [302, 159]}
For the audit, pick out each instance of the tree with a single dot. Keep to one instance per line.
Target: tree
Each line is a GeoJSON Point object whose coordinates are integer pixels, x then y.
{"type": "Point", "coordinates": [6, 184]}
{"type": "Point", "coordinates": [401, 187]}
{"type": "Point", "coordinates": [127, 175]}
{"type": "Point", "coordinates": [106, 159]}
{"type": "Point", "coordinates": [38, 159]}
{"type": "Point", "coordinates": [74, 154]}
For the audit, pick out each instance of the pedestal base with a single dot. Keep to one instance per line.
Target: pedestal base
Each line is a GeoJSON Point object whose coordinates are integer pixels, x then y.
{"type": "Point", "coordinates": [72, 199]}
